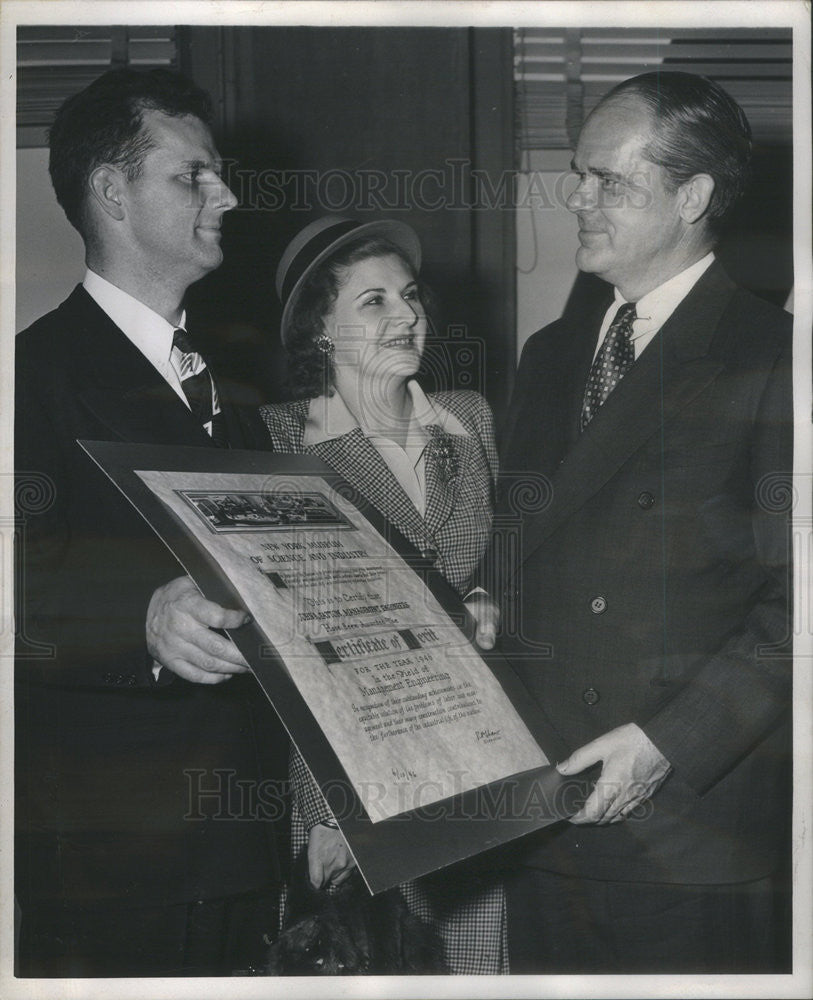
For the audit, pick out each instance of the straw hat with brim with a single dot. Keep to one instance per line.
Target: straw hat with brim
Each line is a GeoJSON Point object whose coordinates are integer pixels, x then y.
{"type": "Point", "coordinates": [322, 238]}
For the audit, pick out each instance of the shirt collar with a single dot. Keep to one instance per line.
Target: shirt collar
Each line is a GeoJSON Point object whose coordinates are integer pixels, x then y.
{"type": "Point", "coordinates": [655, 308]}
{"type": "Point", "coordinates": [148, 331]}
{"type": "Point", "coordinates": [329, 417]}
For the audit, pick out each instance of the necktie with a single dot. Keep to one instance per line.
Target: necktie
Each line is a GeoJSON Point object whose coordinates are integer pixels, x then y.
{"type": "Point", "coordinates": [614, 359]}
{"type": "Point", "coordinates": [198, 386]}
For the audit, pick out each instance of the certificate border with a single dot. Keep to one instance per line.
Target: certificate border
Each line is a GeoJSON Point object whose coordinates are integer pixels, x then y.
{"type": "Point", "coordinates": [416, 842]}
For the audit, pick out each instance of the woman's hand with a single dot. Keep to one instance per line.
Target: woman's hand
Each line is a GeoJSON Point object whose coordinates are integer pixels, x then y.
{"type": "Point", "coordinates": [486, 614]}
{"type": "Point", "coordinates": [329, 859]}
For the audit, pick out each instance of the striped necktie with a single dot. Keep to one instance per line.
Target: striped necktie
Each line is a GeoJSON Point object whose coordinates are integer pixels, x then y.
{"type": "Point", "coordinates": [614, 359]}
{"type": "Point", "coordinates": [198, 387]}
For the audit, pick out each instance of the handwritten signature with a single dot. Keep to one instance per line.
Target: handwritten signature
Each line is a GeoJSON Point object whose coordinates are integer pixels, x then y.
{"type": "Point", "coordinates": [487, 734]}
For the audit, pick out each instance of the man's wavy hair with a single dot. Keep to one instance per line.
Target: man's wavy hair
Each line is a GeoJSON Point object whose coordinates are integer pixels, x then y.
{"type": "Point", "coordinates": [104, 124]}
{"type": "Point", "coordinates": [698, 128]}
{"type": "Point", "coordinates": [310, 370]}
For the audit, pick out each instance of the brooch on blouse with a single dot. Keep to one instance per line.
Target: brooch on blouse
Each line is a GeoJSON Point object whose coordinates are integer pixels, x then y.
{"type": "Point", "coordinates": [444, 457]}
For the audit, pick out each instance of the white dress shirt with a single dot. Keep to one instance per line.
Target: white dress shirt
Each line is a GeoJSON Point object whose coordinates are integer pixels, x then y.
{"type": "Point", "coordinates": [655, 308]}
{"type": "Point", "coordinates": [329, 417]}
{"type": "Point", "coordinates": [146, 330]}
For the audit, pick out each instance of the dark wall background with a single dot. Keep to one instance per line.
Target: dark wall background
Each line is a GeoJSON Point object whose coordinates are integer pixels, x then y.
{"type": "Point", "coordinates": [306, 112]}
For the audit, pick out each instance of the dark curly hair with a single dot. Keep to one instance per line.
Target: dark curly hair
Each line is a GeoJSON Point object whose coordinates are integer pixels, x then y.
{"type": "Point", "coordinates": [310, 370]}
{"type": "Point", "coordinates": [104, 124]}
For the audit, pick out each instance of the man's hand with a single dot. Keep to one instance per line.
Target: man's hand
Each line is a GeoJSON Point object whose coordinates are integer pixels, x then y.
{"type": "Point", "coordinates": [634, 769]}
{"type": "Point", "coordinates": [486, 613]}
{"type": "Point", "coordinates": [180, 636]}
{"type": "Point", "coordinates": [329, 859]}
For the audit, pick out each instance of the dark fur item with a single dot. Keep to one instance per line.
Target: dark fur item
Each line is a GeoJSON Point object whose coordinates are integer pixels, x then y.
{"type": "Point", "coordinates": [348, 932]}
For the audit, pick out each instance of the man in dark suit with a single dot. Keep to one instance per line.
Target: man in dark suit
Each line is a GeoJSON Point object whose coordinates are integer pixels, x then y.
{"type": "Point", "coordinates": [652, 592]}
{"type": "Point", "coordinates": [142, 739]}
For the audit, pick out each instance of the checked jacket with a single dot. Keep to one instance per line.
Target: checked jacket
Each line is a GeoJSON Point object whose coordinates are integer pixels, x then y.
{"type": "Point", "coordinates": [460, 473]}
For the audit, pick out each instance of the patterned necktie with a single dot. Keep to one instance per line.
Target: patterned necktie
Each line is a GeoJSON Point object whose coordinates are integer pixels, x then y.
{"type": "Point", "coordinates": [614, 359]}
{"type": "Point", "coordinates": [198, 387]}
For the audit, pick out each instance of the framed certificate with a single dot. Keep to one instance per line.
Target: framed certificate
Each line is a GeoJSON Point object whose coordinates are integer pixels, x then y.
{"type": "Point", "coordinates": [427, 750]}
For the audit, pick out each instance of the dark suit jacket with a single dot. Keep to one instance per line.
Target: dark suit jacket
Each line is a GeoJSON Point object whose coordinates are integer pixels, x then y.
{"type": "Point", "coordinates": [109, 763]}
{"type": "Point", "coordinates": [653, 586]}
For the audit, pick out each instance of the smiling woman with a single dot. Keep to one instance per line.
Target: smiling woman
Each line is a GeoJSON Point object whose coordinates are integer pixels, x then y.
{"type": "Point", "coordinates": [339, 279]}
{"type": "Point", "coordinates": [355, 329]}
{"type": "Point", "coordinates": [377, 323]}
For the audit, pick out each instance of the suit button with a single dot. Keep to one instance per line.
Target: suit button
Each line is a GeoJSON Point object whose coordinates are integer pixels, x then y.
{"type": "Point", "coordinates": [598, 605]}
{"type": "Point", "coordinates": [646, 500]}
{"type": "Point", "coordinates": [590, 696]}
{"type": "Point", "coordinates": [511, 593]}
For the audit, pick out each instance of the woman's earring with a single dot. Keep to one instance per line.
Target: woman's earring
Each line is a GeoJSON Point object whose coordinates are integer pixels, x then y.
{"type": "Point", "coordinates": [325, 344]}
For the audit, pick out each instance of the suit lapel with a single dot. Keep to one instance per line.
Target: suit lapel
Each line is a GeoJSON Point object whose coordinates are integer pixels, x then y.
{"type": "Point", "coordinates": [354, 458]}
{"type": "Point", "coordinates": [124, 391]}
{"type": "Point", "coordinates": [580, 361]}
{"type": "Point", "coordinates": [244, 426]}
{"type": "Point", "coordinates": [672, 371]}
{"type": "Point", "coordinates": [448, 459]}
{"type": "Point", "coordinates": [543, 423]}
{"type": "Point", "coordinates": [147, 413]}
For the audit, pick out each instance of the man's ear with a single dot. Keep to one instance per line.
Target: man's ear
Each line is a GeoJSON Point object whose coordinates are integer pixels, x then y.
{"type": "Point", "coordinates": [695, 197]}
{"type": "Point", "coordinates": [106, 189]}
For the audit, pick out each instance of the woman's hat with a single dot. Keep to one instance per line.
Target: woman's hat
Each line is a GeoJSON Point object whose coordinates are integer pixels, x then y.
{"type": "Point", "coordinates": [320, 239]}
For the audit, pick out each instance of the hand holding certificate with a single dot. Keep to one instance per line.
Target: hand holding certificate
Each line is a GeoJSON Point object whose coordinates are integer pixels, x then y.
{"type": "Point", "coordinates": [346, 635]}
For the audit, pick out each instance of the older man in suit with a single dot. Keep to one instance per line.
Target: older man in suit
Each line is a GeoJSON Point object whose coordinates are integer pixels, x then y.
{"type": "Point", "coordinates": [140, 733]}
{"type": "Point", "coordinates": [652, 592]}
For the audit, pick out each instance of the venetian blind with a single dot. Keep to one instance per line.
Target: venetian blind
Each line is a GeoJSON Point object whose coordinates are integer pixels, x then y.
{"type": "Point", "coordinates": [560, 74]}
{"type": "Point", "coordinates": [54, 62]}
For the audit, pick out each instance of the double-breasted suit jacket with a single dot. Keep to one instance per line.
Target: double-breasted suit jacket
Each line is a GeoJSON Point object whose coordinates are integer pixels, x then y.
{"type": "Point", "coordinates": [112, 765]}
{"type": "Point", "coordinates": [653, 586]}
